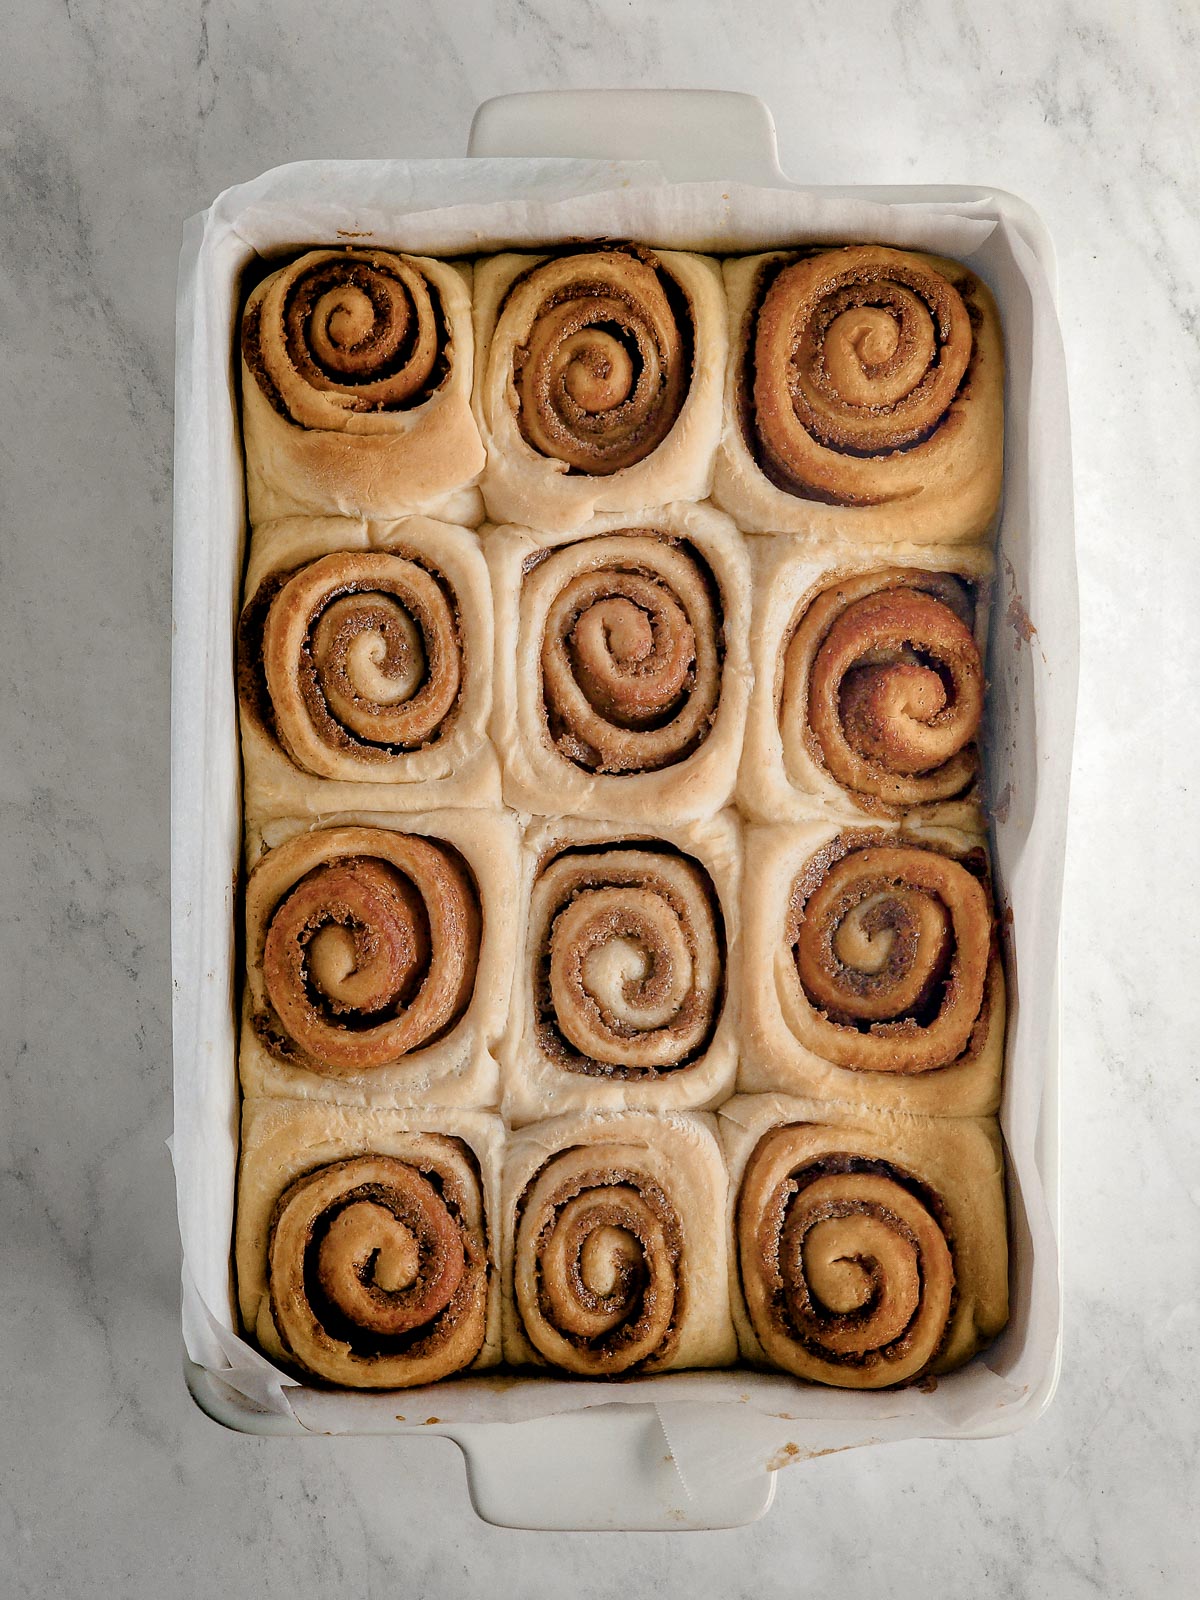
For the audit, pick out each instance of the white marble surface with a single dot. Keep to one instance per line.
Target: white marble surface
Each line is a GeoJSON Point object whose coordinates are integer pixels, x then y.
{"type": "Point", "coordinates": [120, 117]}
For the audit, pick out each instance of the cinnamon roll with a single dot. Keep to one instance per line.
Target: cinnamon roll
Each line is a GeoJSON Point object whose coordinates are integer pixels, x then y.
{"type": "Point", "coordinates": [626, 984]}
{"type": "Point", "coordinates": [870, 1250]}
{"type": "Point", "coordinates": [864, 397]}
{"type": "Point", "coordinates": [356, 388]}
{"type": "Point", "coordinates": [873, 971]}
{"type": "Point", "coordinates": [868, 689]}
{"type": "Point", "coordinates": [365, 658]}
{"type": "Point", "coordinates": [364, 1249]}
{"type": "Point", "coordinates": [379, 958]}
{"type": "Point", "coordinates": [615, 1257]}
{"type": "Point", "coordinates": [598, 384]}
{"type": "Point", "coordinates": [625, 695]}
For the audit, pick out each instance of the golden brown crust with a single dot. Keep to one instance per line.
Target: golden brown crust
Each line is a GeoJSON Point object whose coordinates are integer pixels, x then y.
{"type": "Point", "coordinates": [858, 354]}
{"type": "Point", "coordinates": [362, 660]}
{"type": "Point", "coordinates": [379, 957]}
{"type": "Point", "coordinates": [863, 399]}
{"type": "Point", "coordinates": [892, 946]}
{"type": "Point", "coordinates": [377, 1279]}
{"type": "Point", "coordinates": [603, 370]}
{"type": "Point", "coordinates": [788, 772]}
{"type": "Point", "coordinates": [597, 1274]}
{"type": "Point", "coordinates": [883, 680]}
{"type": "Point", "coordinates": [873, 971]}
{"type": "Point", "coordinates": [368, 944]}
{"type": "Point", "coordinates": [363, 1249]}
{"type": "Point", "coordinates": [870, 1250]}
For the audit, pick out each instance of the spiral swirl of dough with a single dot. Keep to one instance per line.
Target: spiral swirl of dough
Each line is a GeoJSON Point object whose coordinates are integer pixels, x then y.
{"type": "Point", "coordinates": [846, 1265]}
{"type": "Point", "coordinates": [631, 653]}
{"type": "Point", "coordinates": [602, 358]}
{"type": "Point", "coordinates": [893, 950]}
{"type": "Point", "coordinates": [629, 974]}
{"type": "Point", "coordinates": [858, 356]}
{"type": "Point", "coordinates": [597, 1264]}
{"type": "Point", "coordinates": [363, 663]}
{"type": "Point", "coordinates": [341, 339]}
{"type": "Point", "coordinates": [378, 1269]}
{"type": "Point", "coordinates": [369, 945]}
{"type": "Point", "coordinates": [883, 676]}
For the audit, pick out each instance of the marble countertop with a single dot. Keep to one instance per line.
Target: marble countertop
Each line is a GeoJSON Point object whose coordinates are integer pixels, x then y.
{"type": "Point", "coordinates": [123, 118]}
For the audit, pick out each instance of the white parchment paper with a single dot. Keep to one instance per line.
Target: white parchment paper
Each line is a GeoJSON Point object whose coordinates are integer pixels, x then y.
{"type": "Point", "coordinates": [719, 1425]}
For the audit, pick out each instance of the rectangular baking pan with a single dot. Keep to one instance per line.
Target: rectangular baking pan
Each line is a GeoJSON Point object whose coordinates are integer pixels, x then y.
{"type": "Point", "coordinates": [609, 1466]}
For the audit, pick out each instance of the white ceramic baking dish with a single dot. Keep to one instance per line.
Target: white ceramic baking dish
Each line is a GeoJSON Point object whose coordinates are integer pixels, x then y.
{"type": "Point", "coordinates": [648, 1455]}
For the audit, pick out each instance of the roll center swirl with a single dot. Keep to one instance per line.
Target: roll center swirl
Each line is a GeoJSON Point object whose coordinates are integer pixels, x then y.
{"type": "Point", "coordinates": [851, 1263]}
{"type": "Point", "coordinates": [340, 335]}
{"type": "Point", "coordinates": [892, 947]}
{"type": "Point", "coordinates": [603, 360]}
{"type": "Point", "coordinates": [883, 681]}
{"type": "Point", "coordinates": [362, 662]}
{"type": "Point", "coordinates": [597, 1263]}
{"type": "Point", "coordinates": [846, 1263]}
{"type": "Point", "coordinates": [370, 953]}
{"type": "Point", "coordinates": [377, 1279]}
{"type": "Point", "coordinates": [858, 356]}
{"type": "Point", "coordinates": [628, 961]}
{"type": "Point", "coordinates": [631, 655]}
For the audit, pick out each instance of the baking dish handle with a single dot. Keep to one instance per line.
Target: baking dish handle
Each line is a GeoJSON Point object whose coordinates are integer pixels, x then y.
{"type": "Point", "coordinates": [693, 134]}
{"type": "Point", "coordinates": [609, 1471]}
